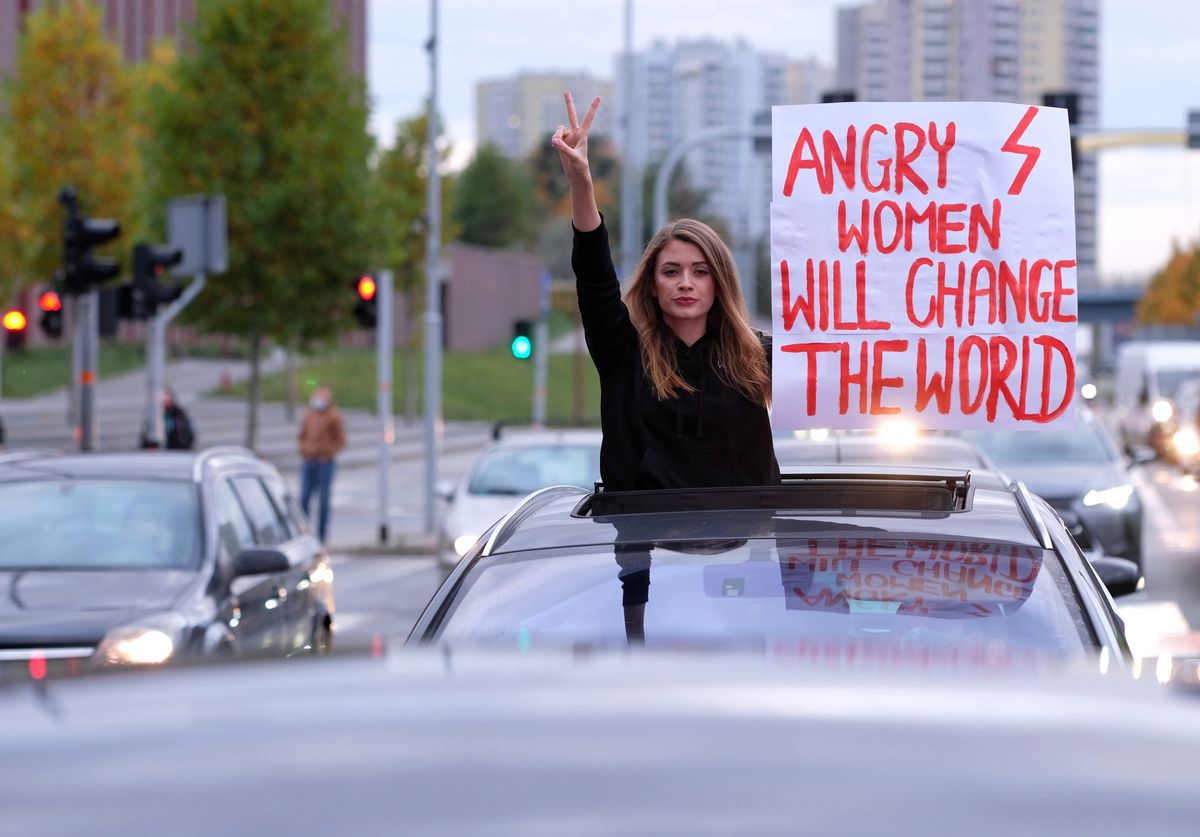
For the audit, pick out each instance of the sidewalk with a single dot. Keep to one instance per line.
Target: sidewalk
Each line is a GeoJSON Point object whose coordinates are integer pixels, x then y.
{"type": "Point", "coordinates": [120, 405]}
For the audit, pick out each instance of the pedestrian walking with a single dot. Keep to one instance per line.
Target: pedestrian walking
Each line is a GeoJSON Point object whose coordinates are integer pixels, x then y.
{"type": "Point", "coordinates": [685, 381]}
{"type": "Point", "coordinates": [322, 437]}
{"type": "Point", "coordinates": [177, 427]}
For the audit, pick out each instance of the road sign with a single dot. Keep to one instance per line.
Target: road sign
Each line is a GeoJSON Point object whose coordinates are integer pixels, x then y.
{"type": "Point", "coordinates": [196, 224]}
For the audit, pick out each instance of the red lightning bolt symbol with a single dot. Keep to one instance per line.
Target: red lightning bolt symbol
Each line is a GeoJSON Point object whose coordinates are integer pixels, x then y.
{"type": "Point", "coordinates": [1013, 146]}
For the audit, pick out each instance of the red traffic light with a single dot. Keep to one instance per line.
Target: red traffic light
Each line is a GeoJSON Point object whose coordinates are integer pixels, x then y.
{"type": "Point", "coordinates": [14, 320]}
{"type": "Point", "coordinates": [49, 301]}
{"type": "Point", "coordinates": [366, 288]}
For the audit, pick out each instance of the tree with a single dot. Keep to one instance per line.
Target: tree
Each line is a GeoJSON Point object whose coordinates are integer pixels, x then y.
{"type": "Point", "coordinates": [67, 122]}
{"type": "Point", "coordinates": [492, 201]}
{"type": "Point", "coordinates": [1173, 295]}
{"type": "Point", "coordinates": [265, 111]}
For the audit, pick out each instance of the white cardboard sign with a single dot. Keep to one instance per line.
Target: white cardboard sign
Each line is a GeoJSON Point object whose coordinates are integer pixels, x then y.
{"type": "Point", "coordinates": [923, 265]}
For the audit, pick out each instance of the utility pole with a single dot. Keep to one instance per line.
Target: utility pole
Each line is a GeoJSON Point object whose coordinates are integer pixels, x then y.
{"type": "Point", "coordinates": [631, 189]}
{"type": "Point", "coordinates": [433, 295]}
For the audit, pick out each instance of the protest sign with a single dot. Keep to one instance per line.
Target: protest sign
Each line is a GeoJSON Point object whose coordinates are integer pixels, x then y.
{"type": "Point", "coordinates": [923, 265]}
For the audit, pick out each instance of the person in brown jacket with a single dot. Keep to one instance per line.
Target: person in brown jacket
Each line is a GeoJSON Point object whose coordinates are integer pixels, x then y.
{"type": "Point", "coordinates": [322, 436]}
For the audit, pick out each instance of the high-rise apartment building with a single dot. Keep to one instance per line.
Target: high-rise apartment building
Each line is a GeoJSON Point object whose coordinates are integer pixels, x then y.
{"type": "Point", "coordinates": [518, 114]}
{"type": "Point", "coordinates": [683, 88]}
{"type": "Point", "coordinates": [136, 24]}
{"type": "Point", "coordinates": [982, 50]}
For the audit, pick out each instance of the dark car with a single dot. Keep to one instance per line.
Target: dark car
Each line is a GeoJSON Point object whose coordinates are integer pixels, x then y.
{"type": "Point", "coordinates": [840, 563]}
{"type": "Point", "coordinates": [155, 557]}
{"type": "Point", "coordinates": [1081, 473]}
{"type": "Point", "coordinates": [850, 447]}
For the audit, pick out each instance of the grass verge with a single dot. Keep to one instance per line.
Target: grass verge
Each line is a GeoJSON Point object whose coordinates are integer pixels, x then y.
{"type": "Point", "coordinates": [476, 386]}
{"type": "Point", "coordinates": [35, 371]}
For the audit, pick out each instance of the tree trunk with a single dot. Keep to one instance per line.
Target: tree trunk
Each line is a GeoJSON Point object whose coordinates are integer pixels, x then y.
{"type": "Point", "coordinates": [289, 382]}
{"type": "Point", "coordinates": [252, 391]}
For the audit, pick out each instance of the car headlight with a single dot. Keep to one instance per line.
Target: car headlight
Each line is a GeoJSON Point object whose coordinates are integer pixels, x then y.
{"type": "Point", "coordinates": [1117, 497]}
{"type": "Point", "coordinates": [1186, 442]}
{"type": "Point", "coordinates": [147, 643]}
{"type": "Point", "coordinates": [1088, 391]}
{"type": "Point", "coordinates": [1162, 410]}
{"type": "Point", "coordinates": [464, 542]}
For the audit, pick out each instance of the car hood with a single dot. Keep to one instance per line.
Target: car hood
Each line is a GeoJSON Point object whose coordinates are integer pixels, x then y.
{"type": "Point", "coordinates": [474, 513]}
{"type": "Point", "coordinates": [1055, 481]}
{"type": "Point", "coordinates": [67, 606]}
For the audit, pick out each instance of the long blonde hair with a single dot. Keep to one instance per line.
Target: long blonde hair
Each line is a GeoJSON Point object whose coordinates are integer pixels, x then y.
{"type": "Point", "coordinates": [741, 361]}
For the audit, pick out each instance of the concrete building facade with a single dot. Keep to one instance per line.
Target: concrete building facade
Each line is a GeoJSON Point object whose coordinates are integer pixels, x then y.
{"type": "Point", "coordinates": [982, 50]}
{"type": "Point", "coordinates": [519, 113]}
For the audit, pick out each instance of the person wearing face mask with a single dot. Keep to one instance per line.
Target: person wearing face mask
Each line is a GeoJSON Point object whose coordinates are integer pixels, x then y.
{"type": "Point", "coordinates": [685, 382]}
{"type": "Point", "coordinates": [322, 436]}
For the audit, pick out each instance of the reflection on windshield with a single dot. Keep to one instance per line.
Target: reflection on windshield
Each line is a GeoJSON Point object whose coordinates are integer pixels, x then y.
{"type": "Point", "coordinates": [1081, 445]}
{"type": "Point", "coordinates": [101, 524]}
{"type": "Point", "coordinates": [995, 604]}
{"type": "Point", "coordinates": [520, 470]}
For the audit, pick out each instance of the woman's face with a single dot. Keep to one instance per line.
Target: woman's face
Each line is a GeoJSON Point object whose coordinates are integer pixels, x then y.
{"type": "Point", "coordinates": [683, 286]}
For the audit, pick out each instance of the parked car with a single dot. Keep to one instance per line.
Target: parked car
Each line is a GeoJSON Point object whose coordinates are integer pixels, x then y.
{"type": "Point", "coordinates": [840, 563]}
{"type": "Point", "coordinates": [1081, 473]}
{"type": "Point", "coordinates": [149, 558]}
{"type": "Point", "coordinates": [517, 463]}
{"type": "Point", "coordinates": [1146, 387]}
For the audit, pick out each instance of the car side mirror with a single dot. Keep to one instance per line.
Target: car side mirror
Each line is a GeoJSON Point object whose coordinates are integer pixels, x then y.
{"type": "Point", "coordinates": [444, 490]}
{"type": "Point", "coordinates": [260, 561]}
{"type": "Point", "coordinates": [1120, 575]}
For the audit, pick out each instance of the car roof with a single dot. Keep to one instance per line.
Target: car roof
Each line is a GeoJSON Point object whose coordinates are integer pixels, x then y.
{"type": "Point", "coordinates": [21, 465]}
{"type": "Point", "coordinates": [560, 517]}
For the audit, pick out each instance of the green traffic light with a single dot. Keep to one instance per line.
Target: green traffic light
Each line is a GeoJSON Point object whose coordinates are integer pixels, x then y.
{"type": "Point", "coordinates": [522, 347]}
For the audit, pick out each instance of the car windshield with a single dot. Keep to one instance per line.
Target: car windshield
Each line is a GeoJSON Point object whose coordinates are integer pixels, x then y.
{"type": "Point", "coordinates": [1081, 445]}
{"type": "Point", "coordinates": [1169, 380]}
{"type": "Point", "coordinates": [99, 524]}
{"type": "Point", "coordinates": [521, 469]}
{"type": "Point", "coordinates": [994, 605]}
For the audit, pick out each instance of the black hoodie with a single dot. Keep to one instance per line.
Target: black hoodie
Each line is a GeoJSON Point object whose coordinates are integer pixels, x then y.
{"type": "Point", "coordinates": [711, 437]}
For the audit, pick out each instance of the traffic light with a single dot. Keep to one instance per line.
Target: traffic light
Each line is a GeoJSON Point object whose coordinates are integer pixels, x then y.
{"type": "Point", "coordinates": [82, 270]}
{"type": "Point", "coordinates": [1069, 100]}
{"type": "Point", "coordinates": [14, 329]}
{"type": "Point", "coordinates": [365, 309]}
{"type": "Point", "coordinates": [139, 300]}
{"type": "Point", "coordinates": [522, 341]}
{"type": "Point", "coordinates": [52, 316]}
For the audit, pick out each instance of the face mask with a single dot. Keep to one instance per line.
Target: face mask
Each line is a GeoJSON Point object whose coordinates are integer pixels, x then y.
{"type": "Point", "coordinates": [318, 403]}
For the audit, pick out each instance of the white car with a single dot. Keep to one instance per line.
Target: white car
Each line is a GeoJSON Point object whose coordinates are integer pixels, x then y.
{"type": "Point", "coordinates": [518, 463]}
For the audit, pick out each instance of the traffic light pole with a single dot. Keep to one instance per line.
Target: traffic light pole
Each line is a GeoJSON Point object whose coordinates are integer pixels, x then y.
{"type": "Point", "coordinates": [433, 293]}
{"type": "Point", "coordinates": [156, 362]}
{"type": "Point", "coordinates": [383, 393]}
{"type": "Point", "coordinates": [87, 334]}
{"type": "Point", "coordinates": [541, 351]}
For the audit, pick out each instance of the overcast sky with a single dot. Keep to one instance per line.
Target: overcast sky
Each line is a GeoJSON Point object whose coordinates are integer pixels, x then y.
{"type": "Point", "coordinates": [1150, 76]}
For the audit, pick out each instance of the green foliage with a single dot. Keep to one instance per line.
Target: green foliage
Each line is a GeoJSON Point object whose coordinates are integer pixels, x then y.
{"type": "Point", "coordinates": [265, 111]}
{"type": "Point", "coordinates": [67, 120]}
{"type": "Point", "coordinates": [493, 203]}
{"type": "Point", "coordinates": [399, 184]}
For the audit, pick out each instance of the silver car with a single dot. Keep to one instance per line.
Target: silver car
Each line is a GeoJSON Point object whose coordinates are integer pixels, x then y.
{"type": "Point", "coordinates": [518, 463]}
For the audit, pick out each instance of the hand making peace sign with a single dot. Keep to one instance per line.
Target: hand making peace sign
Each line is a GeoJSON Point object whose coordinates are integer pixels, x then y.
{"type": "Point", "coordinates": [571, 144]}
{"type": "Point", "coordinates": [571, 141]}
